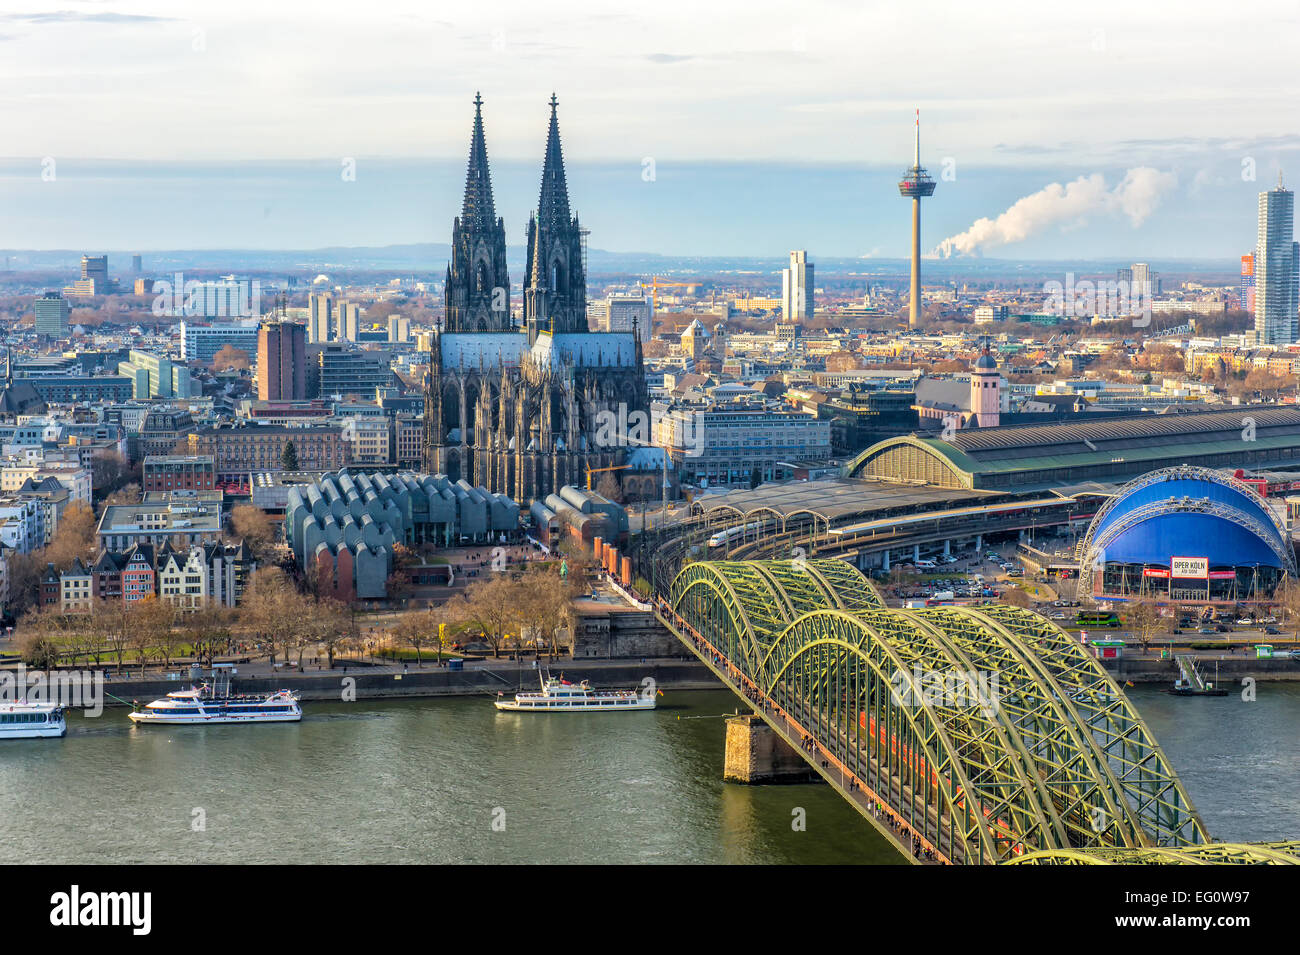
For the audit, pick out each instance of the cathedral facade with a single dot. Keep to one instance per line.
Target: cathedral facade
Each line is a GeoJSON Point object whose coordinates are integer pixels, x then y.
{"type": "Point", "coordinates": [523, 410]}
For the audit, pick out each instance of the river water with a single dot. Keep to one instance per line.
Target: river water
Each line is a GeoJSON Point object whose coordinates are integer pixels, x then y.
{"type": "Point", "coordinates": [453, 780]}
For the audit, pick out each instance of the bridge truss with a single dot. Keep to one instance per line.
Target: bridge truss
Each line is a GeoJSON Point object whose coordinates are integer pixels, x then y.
{"type": "Point", "coordinates": [986, 734]}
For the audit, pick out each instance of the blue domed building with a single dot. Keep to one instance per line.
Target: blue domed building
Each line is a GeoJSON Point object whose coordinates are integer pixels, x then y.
{"type": "Point", "coordinates": [1186, 534]}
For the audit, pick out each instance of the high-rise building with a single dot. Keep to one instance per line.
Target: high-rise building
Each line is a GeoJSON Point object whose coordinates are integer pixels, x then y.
{"type": "Point", "coordinates": [281, 361]}
{"type": "Point", "coordinates": [399, 329]}
{"type": "Point", "coordinates": [348, 321]}
{"type": "Point", "coordinates": [797, 288]}
{"type": "Point", "coordinates": [137, 264]}
{"type": "Point", "coordinates": [200, 343]}
{"type": "Point", "coordinates": [1142, 281]}
{"type": "Point", "coordinates": [1246, 293]}
{"type": "Point", "coordinates": [94, 277]}
{"type": "Point", "coordinates": [1277, 269]}
{"type": "Point", "coordinates": [621, 312]}
{"type": "Point", "coordinates": [51, 315]}
{"type": "Point", "coordinates": [320, 316]}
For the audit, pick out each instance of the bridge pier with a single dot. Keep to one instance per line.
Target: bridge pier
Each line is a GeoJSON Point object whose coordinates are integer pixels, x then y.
{"type": "Point", "coordinates": [884, 561]}
{"type": "Point", "coordinates": [947, 548]}
{"type": "Point", "coordinates": [755, 753]}
{"type": "Point", "coordinates": [916, 553]}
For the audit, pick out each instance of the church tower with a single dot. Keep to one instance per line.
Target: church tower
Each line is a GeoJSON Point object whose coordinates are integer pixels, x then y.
{"type": "Point", "coordinates": [477, 291]}
{"type": "Point", "coordinates": [555, 290]}
{"type": "Point", "coordinates": [986, 390]}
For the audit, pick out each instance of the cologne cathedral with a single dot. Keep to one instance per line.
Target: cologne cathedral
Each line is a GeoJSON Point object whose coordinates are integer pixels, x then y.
{"type": "Point", "coordinates": [523, 410]}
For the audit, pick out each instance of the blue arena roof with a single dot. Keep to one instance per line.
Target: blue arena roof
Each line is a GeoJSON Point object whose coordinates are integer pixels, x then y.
{"type": "Point", "coordinates": [1189, 512]}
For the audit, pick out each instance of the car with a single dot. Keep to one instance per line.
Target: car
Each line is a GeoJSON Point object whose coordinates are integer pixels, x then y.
{"type": "Point", "coordinates": [1058, 616]}
{"type": "Point", "coordinates": [1271, 630]}
{"type": "Point", "coordinates": [1207, 631]}
{"type": "Point", "coordinates": [1222, 629]}
{"type": "Point", "coordinates": [1244, 621]}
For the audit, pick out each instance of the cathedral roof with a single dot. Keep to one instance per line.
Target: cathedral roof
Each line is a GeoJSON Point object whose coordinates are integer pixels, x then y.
{"type": "Point", "coordinates": [586, 349]}
{"type": "Point", "coordinates": [490, 349]}
{"type": "Point", "coordinates": [478, 207]}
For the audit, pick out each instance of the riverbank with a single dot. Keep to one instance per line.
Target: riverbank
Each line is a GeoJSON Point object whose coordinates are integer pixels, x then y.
{"type": "Point", "coordinates": [483, 679]}
{"type": "Point", "coordinates": [1231, 669]}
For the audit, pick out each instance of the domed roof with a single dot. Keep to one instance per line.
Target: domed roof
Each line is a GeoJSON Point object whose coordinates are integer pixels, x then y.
{"type": "Point", "coordinates": [986, 362]}
{"type": "Point", "coordinates": [1188, 512]}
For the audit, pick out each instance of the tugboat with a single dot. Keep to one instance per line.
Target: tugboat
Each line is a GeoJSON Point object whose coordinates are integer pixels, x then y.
{"type": "Point", "coordinates": [214, 703]}
{"type": "Point", "coordinates": [563, 696]}
{"type": "Point", "coordinates": [1191, 683]}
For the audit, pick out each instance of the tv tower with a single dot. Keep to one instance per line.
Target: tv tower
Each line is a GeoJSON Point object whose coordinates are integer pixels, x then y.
{"type": "Point", "coordinates": [915, 184]}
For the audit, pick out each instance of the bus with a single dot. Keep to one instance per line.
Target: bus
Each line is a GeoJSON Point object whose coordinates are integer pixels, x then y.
{"type": "Point", "coordinates": [1097, 618]}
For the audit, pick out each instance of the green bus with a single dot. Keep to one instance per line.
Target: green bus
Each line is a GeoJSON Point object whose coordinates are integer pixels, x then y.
{"type": "Point", "coordinates": [1097, 618]}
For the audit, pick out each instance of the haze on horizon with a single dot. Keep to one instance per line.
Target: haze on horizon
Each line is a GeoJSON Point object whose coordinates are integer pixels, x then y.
{"type": "Point", "coordinates": [785, 136]}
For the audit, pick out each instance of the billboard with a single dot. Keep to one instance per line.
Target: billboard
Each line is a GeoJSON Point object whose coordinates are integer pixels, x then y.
{"type": "Point", "coordinates": [1190, 567]}
{"type": "Point", "coordinates": [1155, 572]}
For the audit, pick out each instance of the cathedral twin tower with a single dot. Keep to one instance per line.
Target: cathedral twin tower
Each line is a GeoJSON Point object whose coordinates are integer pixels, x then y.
{"type": "Point", "coordinates": [524, 411]}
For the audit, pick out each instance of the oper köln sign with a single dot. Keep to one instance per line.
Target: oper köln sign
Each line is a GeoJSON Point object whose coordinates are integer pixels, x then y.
{"type": "Point", "coordinates": [1190, 567]}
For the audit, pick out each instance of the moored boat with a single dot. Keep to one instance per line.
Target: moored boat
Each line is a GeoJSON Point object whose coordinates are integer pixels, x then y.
{"type": "Point", "coordinates": [563, 696]}
{"type": "Point", "coordinates": [23, 720]}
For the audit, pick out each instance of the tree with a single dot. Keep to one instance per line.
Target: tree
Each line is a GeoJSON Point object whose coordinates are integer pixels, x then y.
{"type": "Point", "coordinates": [608, 487]}
{"type": "Point", "coordinates": [209, 631]}
{"type": "Point", "coordinates": [252, 525]}
{"type": "Point", "coordinates": [488, 605]}
{"type": "Point", "coordinates": [417, 631]}
{"type": "Point", "coordinates": [74, 538]}
{"type": "Point", "coordinates": [1016, 597]}
{"type": "Point", "coordinates": [289, 457]}
{"type": "Point", "coordinates": [270, 607]}
{"type": "Point", "coordinates": [151, 634]}
{"type": "Point", "coordinates": [1144, 619]}
{"type": "Point", "coordinates": [546, 603]}
{"type": "Point", "coordinates": [41, 632]}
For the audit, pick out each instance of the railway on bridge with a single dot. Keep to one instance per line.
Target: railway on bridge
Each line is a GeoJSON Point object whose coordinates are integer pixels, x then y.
{"type": "Point", "coordinates": [965, 735]}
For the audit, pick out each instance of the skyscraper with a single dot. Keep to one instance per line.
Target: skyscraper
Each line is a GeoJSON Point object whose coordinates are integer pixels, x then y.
{"type": "Point", "coordinates": [51, 310]}
{"type": "Point", "coordinates": [320, 315]}
{"type": "Point", "coordinates": [797, 288]}
{"type": "Point", "coordinates": [1277, 268]}
{"type": "Point", "coordinates": [916, 185]}
{"type": "Point", "coordinates": [281, 361]}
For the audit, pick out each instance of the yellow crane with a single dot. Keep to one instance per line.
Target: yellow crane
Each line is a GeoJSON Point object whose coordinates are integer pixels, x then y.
{"type": "Point", "coordinates": [655, 285]}
{"type": "Point", "coordinates": [616, 467]}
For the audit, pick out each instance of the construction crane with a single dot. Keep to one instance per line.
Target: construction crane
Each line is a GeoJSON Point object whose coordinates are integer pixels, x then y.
{"type": "Point", "coordinates": [655, 285]}
{"type": "Point", "coordinates": [616, 467]}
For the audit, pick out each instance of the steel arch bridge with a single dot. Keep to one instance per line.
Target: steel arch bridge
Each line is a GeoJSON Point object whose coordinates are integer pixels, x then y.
{"type": "Point", "coordinates": [983, 735]}
{"type": "Point", "coordinates": [1214, 853]}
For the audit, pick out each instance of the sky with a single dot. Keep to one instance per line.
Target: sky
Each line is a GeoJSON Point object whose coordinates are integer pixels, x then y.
{"type": "Point", "coordinates": [689, 128]}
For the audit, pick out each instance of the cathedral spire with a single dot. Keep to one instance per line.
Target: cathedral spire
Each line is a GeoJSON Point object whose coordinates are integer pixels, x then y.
{"type": "Point", "coordinates": [553, 203]}
{"type": "Point", "coordinates": [478, 208]}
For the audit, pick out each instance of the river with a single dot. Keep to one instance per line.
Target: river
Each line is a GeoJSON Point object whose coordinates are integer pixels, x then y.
{"type": "Point", "coordinates": [454, 781]}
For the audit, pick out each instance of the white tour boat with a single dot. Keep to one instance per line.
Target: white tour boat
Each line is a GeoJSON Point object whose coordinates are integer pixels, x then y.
{"type": "Point", "coordinates": [214, 703]}
{"type": "Point", "coordinates": [562, 696]}
{"type": "Point", "coordinates": [23, 720]}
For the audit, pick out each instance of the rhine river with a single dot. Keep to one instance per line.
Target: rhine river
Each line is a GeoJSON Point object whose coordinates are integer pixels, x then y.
{"type": "Point", "coordinates": [453, 780]}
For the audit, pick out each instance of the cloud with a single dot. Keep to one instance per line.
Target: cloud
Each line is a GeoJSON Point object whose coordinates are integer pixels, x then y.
{"type": "Point", "coordinates": [1136, 197]}
{"type": "Point", "coordinates": [75, 16]}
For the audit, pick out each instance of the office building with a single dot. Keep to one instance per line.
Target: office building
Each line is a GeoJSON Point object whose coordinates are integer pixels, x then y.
{"type": "Point", "coordinates": [281, 361]}
{"type": "Point", "coordinates": [51, 310]}
{"type": "Point", "coordinates": [238, 451]}
{"type": "Point", "coordinates": [622, 312]}
{"type": "Point", "coordinates": [94, 278]}
{"type": "Point", "coordinates": [200, 342]}
{"type": "Point", "coordinates": [797, 288]}
{"type": "Point", "coordinates": [1277, 269]}
{"type": "Point", "coordinates": [320, 316]}
{"type": "Point", "coordinates": [153, 376]}
{"type": "Point", "coordinates": [177, 472]}
{"type": "Point", "coordinates": [345, 370]}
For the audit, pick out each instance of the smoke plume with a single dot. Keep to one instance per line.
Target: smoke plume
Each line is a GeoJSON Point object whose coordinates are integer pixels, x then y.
{"type": "Point", "coordinates": [1136, 197]}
